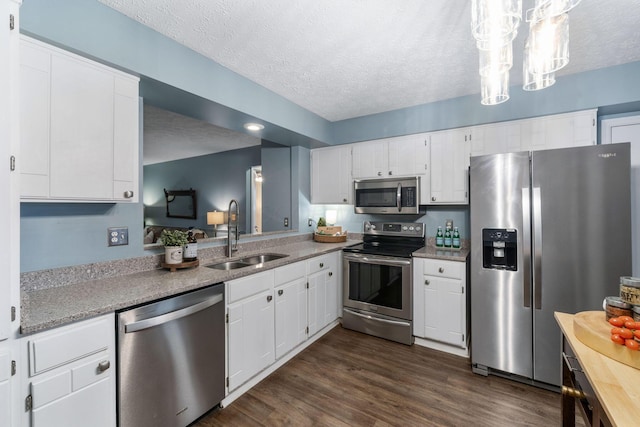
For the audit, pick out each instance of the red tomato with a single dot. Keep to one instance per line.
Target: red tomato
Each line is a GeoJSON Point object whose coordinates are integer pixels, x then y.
{"type": "Point", "coordinates": [632, 325]}
{"type": "Point", "coordinates": [626, 318]}
{"type": "Point", "coordinates": [636, 334]}
{"type": "Point", "coordinates": [632, 344]}
{"type": "Point", "coordinates": [616, 330]}
{"type": "Point", "coordinates": [616, 321]}
{"type": "Point", "coordinates": [626, 333]}
{"type": "Point", "coordinates": [617, 339]}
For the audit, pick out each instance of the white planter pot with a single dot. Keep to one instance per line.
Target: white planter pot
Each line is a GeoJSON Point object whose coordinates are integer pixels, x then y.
{"type": "Point", "coordinates": [173, 254]}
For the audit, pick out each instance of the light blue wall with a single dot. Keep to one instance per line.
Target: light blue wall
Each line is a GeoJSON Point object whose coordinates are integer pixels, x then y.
{"type": "Point", "coordinates": [276, 188]}
{"type": "Point", "coordinates": [62, 235]}
{"type": "Point", "coordinates": [217, 178]}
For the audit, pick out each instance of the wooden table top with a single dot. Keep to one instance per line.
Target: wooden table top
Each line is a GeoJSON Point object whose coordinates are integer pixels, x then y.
{"type": "Point", "coordinates": [616, 385]}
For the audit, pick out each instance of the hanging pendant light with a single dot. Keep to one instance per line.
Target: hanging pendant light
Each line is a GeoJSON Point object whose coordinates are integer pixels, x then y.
{"type": "Point", "coordinates": [534, 81]}
{"type": "Point", "coordinates": [549, 44]}
{"type": "Point", "coordinates": [494, 88]}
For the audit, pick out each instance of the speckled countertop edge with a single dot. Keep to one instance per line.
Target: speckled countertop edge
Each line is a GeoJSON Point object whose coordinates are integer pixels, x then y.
{"type": "Point", "coordinates": [431, 251]}
{"type": "Point", "coordinates": [47, 308]}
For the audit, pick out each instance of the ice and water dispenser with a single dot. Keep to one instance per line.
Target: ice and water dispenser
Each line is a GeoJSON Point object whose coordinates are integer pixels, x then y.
{"type": "Point", "coordinates": [499, 248]}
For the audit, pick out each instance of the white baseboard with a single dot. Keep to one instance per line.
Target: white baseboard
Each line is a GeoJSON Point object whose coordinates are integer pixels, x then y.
{"type": "Point", "coordinates": [458, 351]}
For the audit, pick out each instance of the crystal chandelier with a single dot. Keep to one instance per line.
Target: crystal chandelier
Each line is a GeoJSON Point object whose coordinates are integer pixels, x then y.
{"type": "Point", "coordinates": [494, 25]}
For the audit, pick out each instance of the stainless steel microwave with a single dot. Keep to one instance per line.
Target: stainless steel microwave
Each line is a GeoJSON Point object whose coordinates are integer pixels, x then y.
{"type": "Point", "coordinates": [387, 195]}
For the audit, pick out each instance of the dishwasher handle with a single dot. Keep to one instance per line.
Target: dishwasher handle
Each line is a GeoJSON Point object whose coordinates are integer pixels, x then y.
{"type": "Point", "coordinates": [159, 320]}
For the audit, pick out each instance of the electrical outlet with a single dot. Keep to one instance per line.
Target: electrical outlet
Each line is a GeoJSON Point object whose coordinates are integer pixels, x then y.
{"type": "Point", "coordinates": [286, 222]}
{"type": "Point", "coordinates": [310, 222]}
{"type": "Point", "coordinates": [118, 236]}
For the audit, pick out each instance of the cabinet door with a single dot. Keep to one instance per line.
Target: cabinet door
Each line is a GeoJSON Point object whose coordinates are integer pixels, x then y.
{"type": "Point", "coordinates": [331, 181]}
{"type": "Point", "coordinates": [407, 156]}
{"type": "Point", "coordinates": [449, 167]}
{"type": "Point", "coordinates": [125, 140]}
{"type": "Point", "coordinates": [5, 385]}
{"type": "Point", "coordinates": [85, 407]}
{"type": "Point", "coordinates": [495, 138]}
{"type": "Point", "coordinates": [35, 87]}
{"type": "Point", "coordinates": [331, 295]}
{"type": "Point", "coordinates": [444, 310]}
{"type": "Point", "coordinates": [291, 315]}
{"type": "Point", "coordinates": [317, 300]}
{"type": "Point", "coordinates": [81, 130]}
{"type": "Point", "coordinates": [370, 159]}
{"type": "Point", "coordinates": [251, 337]}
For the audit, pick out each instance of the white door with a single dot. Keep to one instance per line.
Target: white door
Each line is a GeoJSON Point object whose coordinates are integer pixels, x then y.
{"type": "Point", "coordinates": [627, 129]}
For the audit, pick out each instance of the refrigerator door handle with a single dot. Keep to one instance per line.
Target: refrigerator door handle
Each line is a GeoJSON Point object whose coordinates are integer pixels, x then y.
{"type": "Point", "coordinates": [537, 248]}
{"type": "Point", "coordinates": [526, 244]}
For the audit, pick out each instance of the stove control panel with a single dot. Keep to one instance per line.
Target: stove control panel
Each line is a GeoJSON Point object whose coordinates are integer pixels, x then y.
{"type": "Point", "coordinates": [410, 229]}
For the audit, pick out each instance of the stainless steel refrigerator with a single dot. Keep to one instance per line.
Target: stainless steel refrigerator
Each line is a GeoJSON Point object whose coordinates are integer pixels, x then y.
{"type": "Point", "coordinates": [550, 231]}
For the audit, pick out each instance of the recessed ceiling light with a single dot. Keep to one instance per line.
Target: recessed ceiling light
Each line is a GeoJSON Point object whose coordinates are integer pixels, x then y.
{"type": "Point", "coordinates": [253, 126]}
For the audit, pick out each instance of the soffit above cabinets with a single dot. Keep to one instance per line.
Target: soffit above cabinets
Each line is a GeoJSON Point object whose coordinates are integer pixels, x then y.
{"type": "Point", "coordinates": [343, 59]}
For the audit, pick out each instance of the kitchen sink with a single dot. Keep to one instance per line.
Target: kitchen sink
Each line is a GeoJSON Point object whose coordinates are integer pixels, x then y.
{"type": "Point", "coordinates": [259, 259]}
{"type": "Point", "coordinates": [246, 262]}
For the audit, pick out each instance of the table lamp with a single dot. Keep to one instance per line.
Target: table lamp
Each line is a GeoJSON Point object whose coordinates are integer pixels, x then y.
{"type": "Point", "coordinates": [215, 218]}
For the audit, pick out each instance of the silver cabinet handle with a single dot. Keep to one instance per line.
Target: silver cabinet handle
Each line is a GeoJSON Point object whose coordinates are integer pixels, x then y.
{"type": "Point", "coordinates": [441, 270]}
{"type": "Point", "coordinates": [390, 172]}
{"type": "Point", "coordinates": [321, 264]}
{"type": "Point", "coordinates": [103, 366]}
{"type": "Point", "coordinates": [280, 292]}
{"type": "Point", "coordinates": [128, 194]}
{"type": "Point", "coordinates": [344, 200]}
{"type": "Point", "coordinates": [379, 173]}
{"type": "Point", "coordinates": [269, 298]}
{"type": "Point", "coordinates": [433, 199]}
{"type": "Point", "coordinates": [427, 282]}
{"type": "Point", "coordinates": [330, 273]}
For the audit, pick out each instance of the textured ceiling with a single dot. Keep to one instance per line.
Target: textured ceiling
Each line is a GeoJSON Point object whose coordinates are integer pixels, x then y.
{"type": "Point", "coordinates": [170, 136]}
{"type": "Point", "coordinates": [347, 58]}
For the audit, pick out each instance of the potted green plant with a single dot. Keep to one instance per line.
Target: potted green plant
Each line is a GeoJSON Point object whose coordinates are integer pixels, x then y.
{"type": "Point", "coordinates": [173, 241]}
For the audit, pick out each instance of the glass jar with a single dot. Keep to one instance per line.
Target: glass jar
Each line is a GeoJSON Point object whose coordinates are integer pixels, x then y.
{"type": "Point", "coordinates": [630, 290]}
{"type": "Point", "coordinates": [616, 307]}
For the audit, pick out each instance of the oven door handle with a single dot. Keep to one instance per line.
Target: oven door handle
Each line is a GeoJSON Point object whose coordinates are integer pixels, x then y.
{"type": "Point", "coordinates": [377, 319]}
{"type": "Point", "coordinates": [376, 260]}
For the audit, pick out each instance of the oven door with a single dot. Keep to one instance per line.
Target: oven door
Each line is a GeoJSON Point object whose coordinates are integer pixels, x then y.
{"type": "Point", "coordinates": [377, 284]}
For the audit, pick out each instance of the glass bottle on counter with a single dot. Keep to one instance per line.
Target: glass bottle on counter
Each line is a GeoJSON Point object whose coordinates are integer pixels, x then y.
{"type": "Point", "coordinates": [439, 238]}
{"type": "Point", "coordinates": [455, 241]}
{"type": "Point", "coordinates": [447, 238]}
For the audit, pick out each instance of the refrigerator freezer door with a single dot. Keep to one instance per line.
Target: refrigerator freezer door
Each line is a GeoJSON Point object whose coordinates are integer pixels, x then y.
{"type": "Point", "coordinates": [501, 319]}
{"type": "Point", "coordinates": [581, 235]}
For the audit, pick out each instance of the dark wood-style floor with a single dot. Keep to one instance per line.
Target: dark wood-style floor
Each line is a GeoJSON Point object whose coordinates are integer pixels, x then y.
{"type": "Point", "coordinates": [351, 379]}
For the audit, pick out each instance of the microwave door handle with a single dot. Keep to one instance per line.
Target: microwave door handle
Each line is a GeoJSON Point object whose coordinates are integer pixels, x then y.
{"type": "Point", "coordinates": [399, 197]}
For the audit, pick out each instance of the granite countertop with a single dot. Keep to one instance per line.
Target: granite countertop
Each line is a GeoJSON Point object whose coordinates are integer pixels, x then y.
{"type": "Point", "coordinates": [56, 306]}
{"type": "Point", "coordinates": [431, 251]}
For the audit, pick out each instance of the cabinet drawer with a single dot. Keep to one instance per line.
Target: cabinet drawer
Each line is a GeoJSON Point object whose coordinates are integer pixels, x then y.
{"type": "Point", "coordinates": [91, 371]}
{"type": "Point", "coordinates": [318, 263]}
{"type": "Point", "coordinates": [451, 269]}
{"type": "Point", "coordinates": [70, 344]}
{"type": "Point", "coordinates": [50, 389]}
{"type": "Point", "coordinates": [247, 286]}
{"type": "Point", "coordinates": [288, 273]}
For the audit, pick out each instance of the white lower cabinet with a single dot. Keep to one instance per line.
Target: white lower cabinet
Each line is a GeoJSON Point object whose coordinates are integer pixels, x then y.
{"type": "Point", "coordinates": [251, 333]}
{"type": "Point", "coordinates": [323, 290]}
{"type": "Point", "coordinates": [270, 314]}
{"type": "Point", "coordinates": [5, 385]}
{"type": "Point", "coordinates": [440, 301]}
{"type": "Point", "coordinates": [290, 307]}
{"type": "Point", "coordinates": [70, 380]}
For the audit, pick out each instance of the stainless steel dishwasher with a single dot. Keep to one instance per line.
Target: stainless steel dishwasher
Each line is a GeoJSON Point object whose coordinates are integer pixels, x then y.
{"type": "Point", "coordinates": [171, 359]}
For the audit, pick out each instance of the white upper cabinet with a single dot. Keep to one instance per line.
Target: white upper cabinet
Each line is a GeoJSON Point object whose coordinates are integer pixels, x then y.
{"type": "Point", "coordinates": [79, 128]}
{"type": "Point", "coordinates": [540, 133]}
{"type": "Point", "coordinates": [331, 181]}
{"type": "Point", "coordinates": [449, 157]}
{"type": "Point", "coordinates": [384, 158]}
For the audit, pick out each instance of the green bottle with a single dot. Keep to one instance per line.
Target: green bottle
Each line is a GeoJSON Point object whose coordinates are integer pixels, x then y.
{"type": "Point", "coordinates": [455, 241]}
{"type": "Point", "coordinates": [439, 238]}
{"type": "Point", "coordinates": [447, 238]}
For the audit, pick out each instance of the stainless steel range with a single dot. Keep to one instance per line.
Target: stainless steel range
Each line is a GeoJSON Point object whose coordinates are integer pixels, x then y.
{"type": "Point", "coordinates": [377, 280]}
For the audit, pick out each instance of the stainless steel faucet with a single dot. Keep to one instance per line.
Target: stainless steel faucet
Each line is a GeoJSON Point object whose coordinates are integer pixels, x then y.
{"type": "Point", "coordinates": [231, 246]}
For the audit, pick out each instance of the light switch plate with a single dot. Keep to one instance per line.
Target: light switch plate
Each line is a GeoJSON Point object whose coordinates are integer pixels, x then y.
{"type": "Point", "coordinates": [118, 236]}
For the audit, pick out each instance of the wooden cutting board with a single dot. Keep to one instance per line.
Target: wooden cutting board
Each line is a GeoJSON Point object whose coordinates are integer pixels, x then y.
{"type": "Point", "coordinates": [593, 330]}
